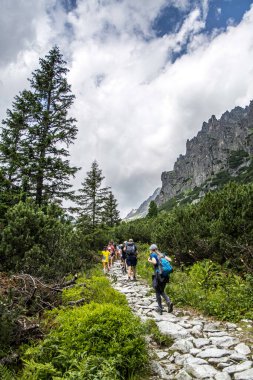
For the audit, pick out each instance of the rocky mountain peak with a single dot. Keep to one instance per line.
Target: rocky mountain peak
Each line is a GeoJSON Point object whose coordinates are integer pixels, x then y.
{"type": "Point", "coordinates": [209, 152]}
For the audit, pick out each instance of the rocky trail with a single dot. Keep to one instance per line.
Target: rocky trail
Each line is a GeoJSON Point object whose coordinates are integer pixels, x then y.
{"type": "Point", "coordinates": [202, 348]}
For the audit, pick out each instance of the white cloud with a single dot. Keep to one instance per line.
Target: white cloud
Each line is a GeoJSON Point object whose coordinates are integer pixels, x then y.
{"type": "Point", "coordinates": [135, 109]}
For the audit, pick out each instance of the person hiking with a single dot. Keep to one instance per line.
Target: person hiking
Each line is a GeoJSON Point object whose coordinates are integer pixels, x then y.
{"type": "Point", "coordinates": [111, 249]}
{"type": "Point", "coordinates": [160, 277]}
{"type": "Point", "coordinates": [105, 259]}
{"type": "Point", "coordinates": [131, 259]}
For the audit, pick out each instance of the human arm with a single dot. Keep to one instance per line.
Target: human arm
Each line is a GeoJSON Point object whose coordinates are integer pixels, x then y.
{"type": "Point", "coordinates": [152, 259]}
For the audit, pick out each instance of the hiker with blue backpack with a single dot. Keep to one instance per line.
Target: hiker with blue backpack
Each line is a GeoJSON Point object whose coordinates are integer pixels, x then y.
{"type": "Point", "coordinates": [162, 270]}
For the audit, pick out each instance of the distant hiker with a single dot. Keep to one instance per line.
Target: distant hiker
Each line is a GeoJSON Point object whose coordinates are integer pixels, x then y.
{"type": "Point", "coordinates": [111, 249]}
{"type": "Point", "coordinates": [118, 251]}
{"type": "Point", "coordinates": [123, 258]}
{"type": "Point", "coordinates": [160, 278]}
{"type": "Point", "coordinates": [131, 258]}
{"type": "Point", "coordinates": [105, 259]}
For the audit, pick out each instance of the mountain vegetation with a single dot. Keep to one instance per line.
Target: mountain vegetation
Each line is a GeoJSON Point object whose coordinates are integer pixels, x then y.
{"type": "Point", "coordinates": [59, 316]}
{"type": "Point", "coordinates": [41, 242]}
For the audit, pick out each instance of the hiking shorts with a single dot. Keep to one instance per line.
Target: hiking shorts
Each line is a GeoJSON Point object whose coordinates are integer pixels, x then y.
{"type": "Point", "coordinates": [131, 261]}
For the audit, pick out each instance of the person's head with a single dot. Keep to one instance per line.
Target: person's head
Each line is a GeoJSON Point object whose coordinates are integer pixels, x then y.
{"type": "Point", "coordinates": [130, 241]}
{"type": "Point", "coordinates": [105, 248]}
{"type": "Point", "coordinates": [153, 247]}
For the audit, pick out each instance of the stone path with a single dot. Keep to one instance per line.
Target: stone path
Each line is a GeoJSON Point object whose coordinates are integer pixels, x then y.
{"type": "Point", "coordinates": [202, 349]}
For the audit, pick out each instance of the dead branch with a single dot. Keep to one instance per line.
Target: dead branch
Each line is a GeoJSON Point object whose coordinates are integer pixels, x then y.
{"type": "Point", "coordinates": [11, 359]}
{"type": "Point", "coordinates": [78, 302]}
{"type": "Point", "coordinates": [70, 282]}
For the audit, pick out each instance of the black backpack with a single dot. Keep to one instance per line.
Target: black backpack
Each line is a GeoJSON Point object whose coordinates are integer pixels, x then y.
{"type": "Point", "coordinates": [130, 249]}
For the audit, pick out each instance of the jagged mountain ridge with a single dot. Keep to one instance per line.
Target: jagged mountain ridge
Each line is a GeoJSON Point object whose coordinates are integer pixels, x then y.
{"type": "Point", "coordinates": [142, 210]}
{"type": "Point", "coordinates": [211, 152]}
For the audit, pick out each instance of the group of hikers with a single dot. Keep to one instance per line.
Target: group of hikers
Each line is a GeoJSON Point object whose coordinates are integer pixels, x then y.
{"type": "Point", "coordinates": [127, 254]}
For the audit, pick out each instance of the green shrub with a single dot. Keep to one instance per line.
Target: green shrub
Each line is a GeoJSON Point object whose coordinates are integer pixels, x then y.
{"type": "Point", "coordinates": [41, 242]}
{"type": "Point", "coordinates": [8, 326]}
{"type": "Point", "coordinates": [84, 340]}
{"type": "Point", "coordinates": [213, 290]}
{"type": "Point", "coordinates": [96, 288]}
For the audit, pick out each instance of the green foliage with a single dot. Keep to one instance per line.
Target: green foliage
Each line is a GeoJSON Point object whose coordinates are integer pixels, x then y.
{"type": "Point", "coordinates": [84, 340]}
{"type": "Point", "coordinates": [6, 374]}
{"type": "Point", "coordinates": [152, 210]}
{"type": "Point", "coordinates": [219, 227]}
{"type": "Point", "coordinates": [145, 269]}
{"type": "Point", "coordinates": [37, 133]}
{"type": "Point", "coordinates": [42, 242]}
{"type": "Point", "coordinates": [92, 196]}
{"type": "Point", "coordinates": [95, 288]}
{"type": "Point", "coordinates": [221, 178]}
{"type": "Point", "coordinates": [213, 290]}
{"type": "Point", "coordinates": [236, 158]}
{"type": "Point", "coordinates": [8, 326]}
{"type": "Point", "coordinates": [110, 214]}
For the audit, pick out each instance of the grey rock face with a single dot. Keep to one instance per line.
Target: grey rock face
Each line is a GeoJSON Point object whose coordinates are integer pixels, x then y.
{"type": "Point", "coordinates": [142, 210]}
{"type": "Point", "coordinates": [208, 153]}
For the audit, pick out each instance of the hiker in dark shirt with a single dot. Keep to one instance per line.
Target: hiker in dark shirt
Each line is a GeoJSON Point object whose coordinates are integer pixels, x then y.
{"type": "Point", "coordinates": [159, 280]}
{"type": "Point", "coordinates": [131, 259]}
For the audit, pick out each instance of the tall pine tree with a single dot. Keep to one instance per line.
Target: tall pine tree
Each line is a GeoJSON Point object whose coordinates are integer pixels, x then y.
{"type": "Point", "coordinates": [92, 196]}
{"type": "Point", "coordinates": [111, 213]}
{"type": "Point", "coordinates": [152, 210]}
{"type": "Point", "coordinates": [37, 133]}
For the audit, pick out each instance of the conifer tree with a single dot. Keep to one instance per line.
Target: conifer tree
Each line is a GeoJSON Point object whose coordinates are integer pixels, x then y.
{"type": "Point", "coordinates": [37, 133]}
{"type": "Point", "coordinates": [111, 213]}
{"type": "Point", "coordinates": [152, 210]}
{"type": "Point", "coordinates": [92, 196]}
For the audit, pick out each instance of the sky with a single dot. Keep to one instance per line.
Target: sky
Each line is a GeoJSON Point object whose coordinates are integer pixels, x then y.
{"type": "Point", "coordinates": [145, 73]}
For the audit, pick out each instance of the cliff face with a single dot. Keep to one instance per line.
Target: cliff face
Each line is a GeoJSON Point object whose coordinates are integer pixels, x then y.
{"type": "Point", "coordinates": [210, 152]}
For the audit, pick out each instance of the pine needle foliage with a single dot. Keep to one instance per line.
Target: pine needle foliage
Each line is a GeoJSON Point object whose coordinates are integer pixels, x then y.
{"type": "Point", "coordinates": [92, 195]}
{"type": "Point", "coordinates": [37, 133]}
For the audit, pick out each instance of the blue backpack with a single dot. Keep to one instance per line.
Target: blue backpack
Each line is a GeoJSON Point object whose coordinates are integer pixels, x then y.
{"type": "Point", "coordinates": [165, 268]}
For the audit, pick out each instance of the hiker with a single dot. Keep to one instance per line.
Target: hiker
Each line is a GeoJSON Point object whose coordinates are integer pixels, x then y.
{"type": "Point", "coordinates": [111, 249]}
{"type": "Point", "coordinates": [160, 277]}
{"type": "Point", "coordinates": [123, 258]}
{"type": "Point", "coordinates": [105, 259]}
{"type": "Point", "coordinates": [131, 259]}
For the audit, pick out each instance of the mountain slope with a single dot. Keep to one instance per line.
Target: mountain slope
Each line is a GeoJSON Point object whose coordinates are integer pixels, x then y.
{"type": "Point", "coordinates": [142, 211]}
{"type": "Point", "coordinates": [221, 150]}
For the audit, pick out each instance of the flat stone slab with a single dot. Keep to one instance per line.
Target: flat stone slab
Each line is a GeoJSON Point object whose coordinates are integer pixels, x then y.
{"type": "Point", "coordinates": [201, 371]}
{"type": "Point", "coordinates": [213, 353]}
{"type": "Point", "coordinates": [224, 341]}
{"type": "Point", "coordinates": [201, 342]}
{"type": "Point", "coordinates": [173, 330]}
{"type": "Point", "coordinates": [238, 367]}
{"type": "Point", "coordinates": [245, 375]}
{"type": "Point", "coordinates": [242, 348]}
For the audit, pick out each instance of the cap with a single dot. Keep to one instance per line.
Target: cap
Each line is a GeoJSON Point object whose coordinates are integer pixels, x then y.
{"type": "Point", "coordinates": [153, 247]}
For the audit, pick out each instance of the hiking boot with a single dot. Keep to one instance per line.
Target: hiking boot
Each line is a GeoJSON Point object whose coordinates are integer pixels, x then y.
{"type": "Point", "coordinates": [134, 278]}
{"type": "Point", "coordinates": [159, 310]}
{"type": "Point", "coordinates": [170, 307]}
